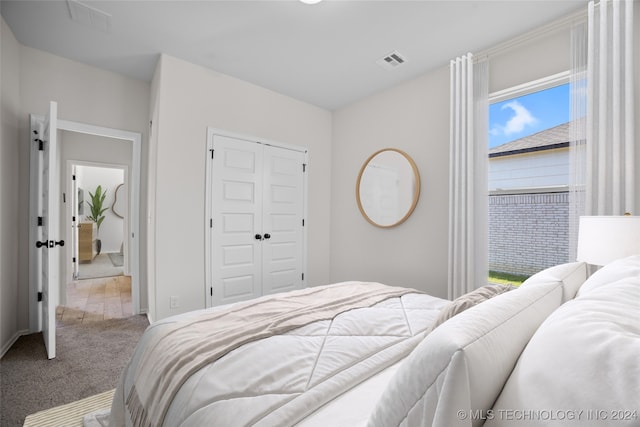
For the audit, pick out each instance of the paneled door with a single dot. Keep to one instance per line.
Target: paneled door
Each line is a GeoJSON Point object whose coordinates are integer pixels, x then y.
{"type": "Point", "coordinates": [283, 198]}
{"type": "Point", "coordinates": [48, 245]}
{"type": "Point", "coordinates": [256, 224]}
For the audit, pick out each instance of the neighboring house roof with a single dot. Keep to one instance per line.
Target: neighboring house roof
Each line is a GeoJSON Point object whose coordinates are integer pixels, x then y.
{"type": "Point", "coordinates": [555, 137]}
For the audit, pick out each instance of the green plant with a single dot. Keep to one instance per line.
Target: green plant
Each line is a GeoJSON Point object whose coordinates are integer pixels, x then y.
{"type": "Point", "coordinates": [506, 278]}
{"type": "Point", "coordinates": [97, 211]}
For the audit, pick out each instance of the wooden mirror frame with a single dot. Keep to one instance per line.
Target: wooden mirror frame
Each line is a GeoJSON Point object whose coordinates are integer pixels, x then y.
{"type": "Point", "coordinates": [416, 190]}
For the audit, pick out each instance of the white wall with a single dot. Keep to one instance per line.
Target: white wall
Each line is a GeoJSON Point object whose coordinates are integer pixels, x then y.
{"type": "Point", "coordinates": [10, 210]}
{"type": "Point", "coordinates": [414, 117]}
{"type": "Point", "coordinates": [84, 94]}
{"type": "Point", "coordinates": [189, 99]}
{"type": "Point", "coordinates": [154, 119]}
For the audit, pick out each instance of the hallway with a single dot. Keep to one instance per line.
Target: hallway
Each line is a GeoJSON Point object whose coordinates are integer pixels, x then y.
{"type": "Point", "coordinates": [93, 300]}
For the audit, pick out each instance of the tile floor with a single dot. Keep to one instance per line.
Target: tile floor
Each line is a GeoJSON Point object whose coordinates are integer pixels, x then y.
{"type": "Point", "coordinates": [92, 300]}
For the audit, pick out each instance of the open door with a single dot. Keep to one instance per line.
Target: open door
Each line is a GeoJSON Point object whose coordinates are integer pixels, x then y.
{"type": "Point", "coordinates": [48, 247]}
{"type": "Point", "coordinates": [75, 200]}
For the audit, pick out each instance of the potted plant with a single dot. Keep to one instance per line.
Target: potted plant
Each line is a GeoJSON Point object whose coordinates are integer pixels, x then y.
{"type": "Point", "coordinates": [97, 211]}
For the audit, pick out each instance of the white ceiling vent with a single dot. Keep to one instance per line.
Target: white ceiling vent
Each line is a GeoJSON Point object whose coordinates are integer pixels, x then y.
{"type": "Point", "coordinates": [90, 16]}
{"type": "Point", "coordinates": [392, 60]}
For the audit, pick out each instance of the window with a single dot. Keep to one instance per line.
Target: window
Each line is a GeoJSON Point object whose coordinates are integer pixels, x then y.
{"type": "Point", "coordinates": [528, 178]}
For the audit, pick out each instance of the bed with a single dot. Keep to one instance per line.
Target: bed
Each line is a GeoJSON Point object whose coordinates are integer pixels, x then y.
{"type": "Point", "coordinates": [367, 354]}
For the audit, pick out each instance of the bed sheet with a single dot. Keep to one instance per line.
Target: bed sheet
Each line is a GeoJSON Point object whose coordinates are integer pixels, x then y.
{"type": "Point", "coordinates": [352, 408]}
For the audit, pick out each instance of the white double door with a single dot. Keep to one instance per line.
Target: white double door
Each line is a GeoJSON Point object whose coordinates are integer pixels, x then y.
{"type": "Point", "coordinates": [257, 219]}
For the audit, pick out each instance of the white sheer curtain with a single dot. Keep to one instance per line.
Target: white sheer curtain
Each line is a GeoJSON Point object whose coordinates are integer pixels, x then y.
{"type": "Point", "coordinates": [603, 113]}
{"type": "Point", "coordinates": [468, 194]}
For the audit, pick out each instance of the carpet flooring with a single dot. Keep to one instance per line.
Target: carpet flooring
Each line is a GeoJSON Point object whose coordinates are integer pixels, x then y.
{"type": "Point", "coordinates": [90, 358]}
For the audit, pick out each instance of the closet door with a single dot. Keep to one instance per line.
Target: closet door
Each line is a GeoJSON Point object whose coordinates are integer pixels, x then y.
{"type": "Point", "coordinates": [236, 220]}
{"type": "Point", "coordinates": [282, 215]}
{"type": "Point", "coordinates": [257, 232]}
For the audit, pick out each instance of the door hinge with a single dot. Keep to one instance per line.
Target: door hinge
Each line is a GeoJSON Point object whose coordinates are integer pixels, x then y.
{"type": "Point", "coordinates": [39, 296]}
{"type": "Point", "coordinates": [211, 223]}
{"type": "Point", "coordinates": [64, 197]}
{"type": "Point", "coordinates": [40, 221]}
{"type": "Point", "coordinates": [74, 260]}
{"type": "Point", "coordinates": [40, 144]}
{"type": "Point", "coordinates": [211, 290]}
{"type": "Point", "coordinates": [73, 177]}
{"type": "Point", "coordinates": [73, 219]}
{"type": "Point", "coordinates": [304, 167]}
{"type": "Point", "coordinates": [303, 222]}
{"type": "Point", "coordinates": [212, 151]}
{"type": "Point", "coordinates": [302, 276]}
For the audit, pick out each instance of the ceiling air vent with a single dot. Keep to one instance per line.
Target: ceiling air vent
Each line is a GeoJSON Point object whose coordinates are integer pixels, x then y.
{"type": "Point", "coordinates": [90, 16]}
{"type": "Point", "coordinates": [392, 60]}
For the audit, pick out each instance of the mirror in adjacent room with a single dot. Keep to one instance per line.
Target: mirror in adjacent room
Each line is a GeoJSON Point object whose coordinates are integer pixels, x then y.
{"type": "Point", "coordinates": [388, 187]}
{"type": "Point", "coordinates": [118, 206]}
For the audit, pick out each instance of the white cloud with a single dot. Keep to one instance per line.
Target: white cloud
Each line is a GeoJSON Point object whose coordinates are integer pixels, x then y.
{"type": "Point", "coordinates": [516, 124]}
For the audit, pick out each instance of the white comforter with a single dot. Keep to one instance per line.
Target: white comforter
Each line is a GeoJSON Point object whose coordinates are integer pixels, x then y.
{"type": "Point", "coordinates": [279, 380]}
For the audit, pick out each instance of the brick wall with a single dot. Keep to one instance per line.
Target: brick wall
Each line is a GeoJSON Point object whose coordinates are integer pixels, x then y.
{"type": "Point", "coordinates": [528, 232]}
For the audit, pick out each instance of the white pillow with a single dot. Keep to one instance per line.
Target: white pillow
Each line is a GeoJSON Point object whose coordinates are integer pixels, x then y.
{"type": "Point", "coordinates": [612, 272]}
{"type": "Point", "coordinates": [462, 365]}
{"type": "Point", "coordinates": [571, 275]}
{"type": "Point", "coordinates": [581, 366]}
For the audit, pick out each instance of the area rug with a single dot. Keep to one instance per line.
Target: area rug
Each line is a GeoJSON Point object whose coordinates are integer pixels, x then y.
{"type": "Point", "coordinates": [117, 259]}
{"type": "Point", "coordinates": [100, 266]}
{"type": "Point", "coordinates": [72, 414]}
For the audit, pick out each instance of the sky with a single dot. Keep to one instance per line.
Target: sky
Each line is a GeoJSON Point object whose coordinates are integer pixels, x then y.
{"type": "Point", "coordinates": [525, 115]}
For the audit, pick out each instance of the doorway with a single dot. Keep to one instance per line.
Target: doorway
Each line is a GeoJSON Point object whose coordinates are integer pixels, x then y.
{"type": "Point", "coordinates": [83, 133]}
{"type": "Point", "coordinates": [98, 220]}
{"type": "Point", "coordinates": [98, 284]}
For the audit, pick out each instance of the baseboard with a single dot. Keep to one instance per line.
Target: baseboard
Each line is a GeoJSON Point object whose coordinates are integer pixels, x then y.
{"type": "Point", "coordinates": [5, 347]}
{"type": "Point", "coordinates": [149, 318]}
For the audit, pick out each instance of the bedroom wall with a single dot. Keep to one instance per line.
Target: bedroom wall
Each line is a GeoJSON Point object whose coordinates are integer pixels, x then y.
{"type": "Point", "coordinates": [191, 98]}
{"type": "Point", "coordinates": [9, 196]}
{"type": "Point", "coordinates": [84, 94]}
{"type": "Point", "coordinates": [414, 117]}
{"type": "Point", "coordinates": [150, 201]}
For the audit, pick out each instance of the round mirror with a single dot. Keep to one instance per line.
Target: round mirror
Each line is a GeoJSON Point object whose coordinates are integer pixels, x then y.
{"type": "Point", "coordinates": [118, 202]}
{"type": "Point", "coordinates": [388, 187]}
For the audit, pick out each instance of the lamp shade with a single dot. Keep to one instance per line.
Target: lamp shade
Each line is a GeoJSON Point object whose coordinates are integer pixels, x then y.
{"type": "Point", "coordinates": [602, 239]}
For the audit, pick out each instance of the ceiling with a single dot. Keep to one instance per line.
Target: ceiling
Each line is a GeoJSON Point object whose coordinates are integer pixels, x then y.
{"type": "Point", "coordinates": [325, 54]}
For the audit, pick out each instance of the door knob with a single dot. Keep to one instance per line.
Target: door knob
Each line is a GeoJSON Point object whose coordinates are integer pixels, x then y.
{"type": "Point", "coordinates": [49, 244]}
{"type": "Point", "coordinates": [267, 236]}
{"type": "Point", "coordinates": [258, 237]}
